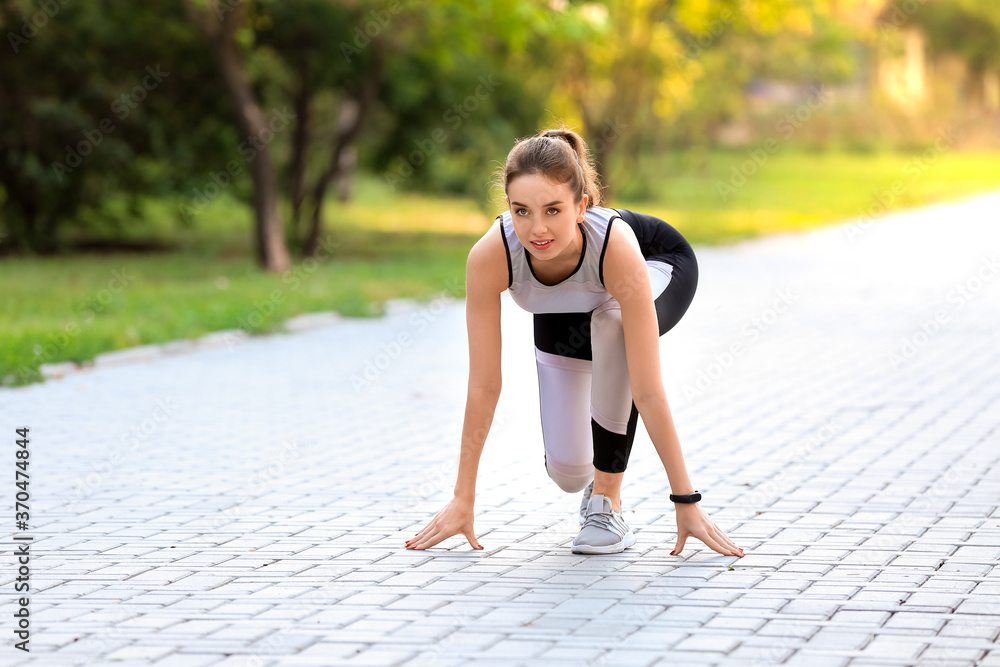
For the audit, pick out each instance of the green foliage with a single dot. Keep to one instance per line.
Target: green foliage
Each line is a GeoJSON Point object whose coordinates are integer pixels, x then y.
{"type": "Point", "coordinates": [389, 245]}
{"type": "Point", "coordinates": [970, 29]}
{"type": "Point", "coordinates": [101, 99]}
{"type": "Point", "coordinates": [458, 83]}
{"type": "Point", "coordinates": [455, 97]}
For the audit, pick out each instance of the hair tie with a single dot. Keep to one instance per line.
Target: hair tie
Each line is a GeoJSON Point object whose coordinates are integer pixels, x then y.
{"type": "Point", "coordinates": [561, 137]}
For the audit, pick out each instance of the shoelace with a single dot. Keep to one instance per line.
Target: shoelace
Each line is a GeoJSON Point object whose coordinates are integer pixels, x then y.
{"type": "Point", "coordinates": [605, 520]}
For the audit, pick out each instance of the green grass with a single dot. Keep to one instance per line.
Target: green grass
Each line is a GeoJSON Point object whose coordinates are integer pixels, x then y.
{"type": "Point", "coordinates": [71, 308]}
{"type": "Point", "coordinates": [391, 246]}
{"type": "Point", "coordinates": [796, 191]}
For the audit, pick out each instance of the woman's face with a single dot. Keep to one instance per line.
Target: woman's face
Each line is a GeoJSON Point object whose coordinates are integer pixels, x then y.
{"type": "Point", "coordinates": [545, 217]}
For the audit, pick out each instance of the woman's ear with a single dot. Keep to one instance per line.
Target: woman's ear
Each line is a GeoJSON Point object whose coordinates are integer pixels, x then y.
{"type": "Point", "coordinates": [583, 205]}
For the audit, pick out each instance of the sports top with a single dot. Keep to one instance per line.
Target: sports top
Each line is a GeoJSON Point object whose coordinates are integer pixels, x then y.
{"type": "Point", "coordinates": [583, 290]}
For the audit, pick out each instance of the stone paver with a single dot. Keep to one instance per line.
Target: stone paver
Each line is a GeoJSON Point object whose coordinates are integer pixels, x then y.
{"type": "Point", "coordinates": [837, 393]}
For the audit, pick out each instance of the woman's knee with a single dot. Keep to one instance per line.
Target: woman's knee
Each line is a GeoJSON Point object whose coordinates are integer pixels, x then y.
{"type": "Point", "coordinates": [607, 321]}
{"type": "Point", "coordinates": [570, 478]}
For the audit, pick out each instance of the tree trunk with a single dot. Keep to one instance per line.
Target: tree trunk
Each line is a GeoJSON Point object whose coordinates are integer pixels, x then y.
{"type": "Point", "coordinates": [349, 122]}
{"type": "Point", "coordinates": [300, 149]}
{"type": "Point", "coordinates": [348, 119]}
{"type": "Point", "coordinates": [272, 252]}
{"type": "Point", "coordinates": [345, 179]}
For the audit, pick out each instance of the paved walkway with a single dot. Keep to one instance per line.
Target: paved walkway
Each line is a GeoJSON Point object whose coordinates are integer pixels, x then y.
{"type": "Point", "coordinates": [837, 394]}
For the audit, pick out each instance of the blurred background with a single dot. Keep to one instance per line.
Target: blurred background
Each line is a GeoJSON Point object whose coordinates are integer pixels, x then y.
{"type": "Point", "coordinates": [172, 168]}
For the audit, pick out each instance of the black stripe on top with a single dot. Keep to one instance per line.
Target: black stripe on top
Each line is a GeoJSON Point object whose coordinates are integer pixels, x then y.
{"type": "Point", "coordinates": [510, 270]}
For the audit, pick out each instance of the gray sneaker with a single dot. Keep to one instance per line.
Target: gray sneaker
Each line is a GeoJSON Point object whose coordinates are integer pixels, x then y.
{"type": "Point", "coordinates": [585, 502]}
{"type": "Point", "coordinates": [604, 530]}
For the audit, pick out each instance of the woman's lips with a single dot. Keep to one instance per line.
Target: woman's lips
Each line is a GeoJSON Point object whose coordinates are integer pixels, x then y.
{"type": "Point", "coordinates": [542, 244]}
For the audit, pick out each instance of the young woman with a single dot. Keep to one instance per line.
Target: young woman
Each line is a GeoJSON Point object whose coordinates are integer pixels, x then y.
{"type": "Point", "coordinates": [603, 285]}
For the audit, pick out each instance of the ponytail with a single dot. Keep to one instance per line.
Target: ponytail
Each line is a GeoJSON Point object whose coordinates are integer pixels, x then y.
{"type": "Point", "coordinates": [559, 154]}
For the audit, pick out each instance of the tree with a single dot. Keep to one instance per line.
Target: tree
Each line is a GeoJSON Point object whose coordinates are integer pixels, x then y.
{"type": "Point", "coordinates": [628, 67]}
{"type": "Point", "coordinates": [969, 29]}
{"type": "Point", "coordinates": [221, 25]}
{"type": "Point", "coordinates": [82, 128]}
{"type": "Point", "coordinates": [327, 51]}
{"type": "Point", "coordinates": [408, 69]}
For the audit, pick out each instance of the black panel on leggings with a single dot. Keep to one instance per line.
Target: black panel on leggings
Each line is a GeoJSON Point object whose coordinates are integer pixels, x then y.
{"type": "Point", "coordinates": [568, 334]}
{"type": "Point", "coordinates": [655, 236]}
{"type": "Point", "coordinates": [564, 334]}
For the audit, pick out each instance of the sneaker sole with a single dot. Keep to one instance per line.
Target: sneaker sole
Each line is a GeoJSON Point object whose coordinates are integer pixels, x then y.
{"type": "Point", "coordinates": [615, 548]}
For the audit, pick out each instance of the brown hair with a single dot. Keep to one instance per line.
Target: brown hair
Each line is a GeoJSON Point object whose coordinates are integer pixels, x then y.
{"type": "Point", "coordinates": [559, 154]}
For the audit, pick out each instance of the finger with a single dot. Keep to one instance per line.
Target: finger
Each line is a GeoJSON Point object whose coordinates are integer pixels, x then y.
{"type": "Point", "coordinates": [419, 536]}
{"type": "Point", "coordinates": [681, 539]}
{"type": "Point", "coordinates": [717, 545]}
{"type": "Point", "coordinates": [725, 540]}
{"type": "Point", "coordinates": [429, 540]}
{"type": "Point", "coordinates": [720, 536]}
{"type": "Point", "coordinates": [714, 545]}
{"type": "Point", "coordinates": [424, 531]}
{"type": "Point", "coordinates": [472, 540]}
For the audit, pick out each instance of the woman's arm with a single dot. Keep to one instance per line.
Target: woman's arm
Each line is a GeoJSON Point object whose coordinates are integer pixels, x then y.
{"type": "Point", "coordinates": [486, 277]}
{"type": "Point", "coordinates": [484, 281]}
{"type": "Point", "coordinates": [626, 278]}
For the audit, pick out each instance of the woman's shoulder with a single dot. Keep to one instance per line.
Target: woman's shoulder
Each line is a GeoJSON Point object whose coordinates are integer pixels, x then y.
{"type": "Point", "coordinates": [602, 213]}
{"type": "Point", "coordinates": [489, 259]}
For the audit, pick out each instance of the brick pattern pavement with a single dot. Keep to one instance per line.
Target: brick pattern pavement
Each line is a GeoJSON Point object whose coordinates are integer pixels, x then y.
{"type": "Point", "coordinates": [247, 505]}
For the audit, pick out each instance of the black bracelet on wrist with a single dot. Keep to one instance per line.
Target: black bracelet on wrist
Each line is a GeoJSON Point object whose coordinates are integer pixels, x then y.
{"type": "Point", "coordinates": [689, 498]}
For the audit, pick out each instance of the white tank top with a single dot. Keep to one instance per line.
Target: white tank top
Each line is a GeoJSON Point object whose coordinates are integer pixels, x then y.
{"type": "Point", "coordinates": [581, 291]}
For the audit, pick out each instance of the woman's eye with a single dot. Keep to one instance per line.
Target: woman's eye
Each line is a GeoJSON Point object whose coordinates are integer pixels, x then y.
{"type": "Point", "coordinates": [521, 211]}
{"type": "Point", "coordinates": [553, 209]}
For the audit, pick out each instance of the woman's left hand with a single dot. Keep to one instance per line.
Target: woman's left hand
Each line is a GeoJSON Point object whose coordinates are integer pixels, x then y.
{"type": "Point", "coordinates": [692, 521]}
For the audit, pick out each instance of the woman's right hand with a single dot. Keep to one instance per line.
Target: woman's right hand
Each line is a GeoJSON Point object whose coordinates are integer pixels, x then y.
{"type": "Point", "coordinates": [455, 518]}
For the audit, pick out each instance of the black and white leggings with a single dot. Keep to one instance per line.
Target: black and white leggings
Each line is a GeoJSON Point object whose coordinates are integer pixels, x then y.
{"type": "Point", "coordinates": [588, 415]}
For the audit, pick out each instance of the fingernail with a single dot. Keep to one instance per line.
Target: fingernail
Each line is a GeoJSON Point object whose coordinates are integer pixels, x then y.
{"type": "Point", "coordinates": [673, 553]}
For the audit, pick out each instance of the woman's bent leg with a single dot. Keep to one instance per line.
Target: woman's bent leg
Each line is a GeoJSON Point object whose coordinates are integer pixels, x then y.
{"type": "Point", "coordinates": [613, 414]}
{"type": "Point", "coordinates": [564, 390]}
